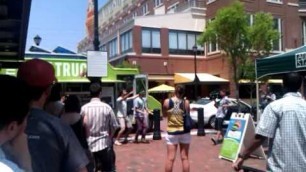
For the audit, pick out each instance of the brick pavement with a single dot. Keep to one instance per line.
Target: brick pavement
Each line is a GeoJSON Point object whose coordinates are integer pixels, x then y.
{"type": "Point", "coordinates": [151, 157]}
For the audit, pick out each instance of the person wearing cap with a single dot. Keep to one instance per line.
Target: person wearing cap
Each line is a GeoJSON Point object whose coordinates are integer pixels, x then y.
{"type": "Point", "coordinates": [52, 144]}
{"type": "Point", "coordinates": [14, 153]}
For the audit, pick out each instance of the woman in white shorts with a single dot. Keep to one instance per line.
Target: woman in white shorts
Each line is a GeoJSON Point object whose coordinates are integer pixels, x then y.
{"type": "Point", "coordinates": [176, 136]}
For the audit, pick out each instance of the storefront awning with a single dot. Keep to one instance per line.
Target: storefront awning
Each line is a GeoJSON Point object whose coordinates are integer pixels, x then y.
{"type": "Point", "coordinates": [160, 77]}
{"type": "Point", "coordinates": [270, 81]}
{"type": "Point", "coordinates": [180, 78]}
{"type": "Point", "coordinates": [85, 80]}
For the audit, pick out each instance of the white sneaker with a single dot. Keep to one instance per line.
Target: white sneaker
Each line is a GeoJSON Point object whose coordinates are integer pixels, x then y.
{"type": "Point", "coordinates": [118, 143]}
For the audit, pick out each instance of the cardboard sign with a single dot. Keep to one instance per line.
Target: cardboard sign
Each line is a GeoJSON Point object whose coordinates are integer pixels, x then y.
{"type": "Point", "coordinates": [96, 64]}
{"type": "Point", "coordinates": [239, 134]}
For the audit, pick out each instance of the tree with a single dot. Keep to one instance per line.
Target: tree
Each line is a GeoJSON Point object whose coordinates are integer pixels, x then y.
{"type": "Point", "coordinates": [261, 36]}
{"type": "Point", "coordinates": [239, 39]}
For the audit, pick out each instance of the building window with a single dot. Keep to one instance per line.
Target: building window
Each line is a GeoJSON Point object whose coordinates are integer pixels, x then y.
{"type": "Point", "coordinates": [112, 48]}
{"type": "Point", "coordinates": [277, 44]}
{"type": "Point", "coordinates": [150, 41]}
{"type": "Point", "coordinates": [145, 9]}
{"type": "Point", "coordinates": [126, 41]}
{"type": "Point", "coordinates": [213, 45]}
{"type": "Point", "coordinates": [250, 18]}
{"type": "Point", "coordinates": [304, 32]}
{"type": "Point", "coordinates": [103, 48]}
{"type": "Point", "coordinates": [172, 8]}
{"type": "Point", "coordinates": [182, 42]}
{"type": "Point", "coordinates": [134, 14]}
{"type": "Point", "coordinates": [157, 2]}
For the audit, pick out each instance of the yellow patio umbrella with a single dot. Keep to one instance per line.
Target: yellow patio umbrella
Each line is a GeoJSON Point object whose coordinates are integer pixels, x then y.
{"type": "Point", "coordinates": [161, 89]}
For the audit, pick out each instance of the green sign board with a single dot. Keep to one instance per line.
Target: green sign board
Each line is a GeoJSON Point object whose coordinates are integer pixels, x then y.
{"type": "Point", "coordinates": [233, 138]}
{"type": "Point", "coordinates": [66, 70]}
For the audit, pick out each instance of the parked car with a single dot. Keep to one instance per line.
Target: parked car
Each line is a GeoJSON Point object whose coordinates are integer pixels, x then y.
{"type": "Point", "coordinates": [210, 110]}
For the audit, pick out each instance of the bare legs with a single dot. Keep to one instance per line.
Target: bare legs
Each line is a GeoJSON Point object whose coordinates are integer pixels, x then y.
{"type": "Point", "coordinates": [184, 149]}
{"type": "Point", "coordinates": [171, 154]}
{"type": "Point", "coordinates": [123, 126]}
{"type": "Point", "coordinates": [219, 135]}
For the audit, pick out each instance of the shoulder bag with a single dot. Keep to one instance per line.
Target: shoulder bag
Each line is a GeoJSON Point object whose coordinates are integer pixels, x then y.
{"type": "Point", "coordinates": [188, 122]}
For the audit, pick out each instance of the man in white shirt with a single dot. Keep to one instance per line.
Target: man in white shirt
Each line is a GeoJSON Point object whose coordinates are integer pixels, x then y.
{"type": "Point", "coordinates": [123, 119]}
{"type": "Point", "coordinates": [221, 112]}
{"type": "Point", "coordinates": [101, 124]}
{"type": "Point", "coordinates": [284, 122]}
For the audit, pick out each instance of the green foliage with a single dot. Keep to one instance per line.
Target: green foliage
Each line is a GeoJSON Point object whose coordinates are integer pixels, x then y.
{"type": "Point", "coordinates": [241, 41]}
{"type": "Point", "coordinates": [261, 34]}
{"type": "Point", "coordinates": [229, 29]}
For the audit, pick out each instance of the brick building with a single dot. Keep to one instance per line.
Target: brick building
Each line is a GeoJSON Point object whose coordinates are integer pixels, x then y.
{"type": "Point", "coordinates": [159, 35]}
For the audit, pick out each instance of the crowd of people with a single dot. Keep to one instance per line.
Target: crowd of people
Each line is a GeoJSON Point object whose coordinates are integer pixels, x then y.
{"type": "Point", "coordinates": [41, 132]}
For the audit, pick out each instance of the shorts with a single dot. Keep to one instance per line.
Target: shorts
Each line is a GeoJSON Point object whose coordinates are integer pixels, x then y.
{"type": "Point", "coordinates": [125, 122]}
{"type": "Point", "coordinates": [178, 139]}
{"type": "Point", "coordinates": [219, 124]}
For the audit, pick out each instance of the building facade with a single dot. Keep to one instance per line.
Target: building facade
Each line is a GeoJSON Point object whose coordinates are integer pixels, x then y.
{"type": "Point", "coordinates": [159, 35]}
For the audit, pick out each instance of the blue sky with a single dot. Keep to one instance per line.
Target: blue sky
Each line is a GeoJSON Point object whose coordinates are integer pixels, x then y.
{"type": "Point", "coordinates": [58, 22]}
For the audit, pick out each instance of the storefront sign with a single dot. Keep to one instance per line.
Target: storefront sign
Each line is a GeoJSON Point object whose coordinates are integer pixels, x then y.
{"type": "Point", "coordinates": [300, 60]}
{"type": "Point", "coordinates": [66, 70]}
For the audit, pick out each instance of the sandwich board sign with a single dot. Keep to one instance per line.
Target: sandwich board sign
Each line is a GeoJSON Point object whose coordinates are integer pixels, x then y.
{"type": "Point", "coordinates": [239, 134]}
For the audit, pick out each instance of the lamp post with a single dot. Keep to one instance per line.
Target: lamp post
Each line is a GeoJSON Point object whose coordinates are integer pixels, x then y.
{"type": "Point", "coordinates": [96, 41]}
{"type": "Point", "coordinates": [37, 40]}
{"type": "Point", "coordinates": [196, 79]}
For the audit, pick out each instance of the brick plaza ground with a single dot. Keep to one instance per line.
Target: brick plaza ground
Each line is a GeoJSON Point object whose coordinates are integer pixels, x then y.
{"type": "Point", "coordinates": [151, 157]}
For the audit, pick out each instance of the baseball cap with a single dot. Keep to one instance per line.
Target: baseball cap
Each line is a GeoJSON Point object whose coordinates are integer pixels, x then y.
{"type": "Point", "coordinates": [37, 73]}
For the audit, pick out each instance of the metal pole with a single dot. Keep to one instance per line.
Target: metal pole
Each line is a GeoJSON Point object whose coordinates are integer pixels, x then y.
{"type": "Point", "coordinates": [201, 130]}
{"type": "Point", "coordinates": [96, 41]}
{"type": "Point", "coordinates": [258, 113]}
{"type": "Point", "coordinates": [156, 118]}
{"type": "Point", "coordinates": [195, 76]}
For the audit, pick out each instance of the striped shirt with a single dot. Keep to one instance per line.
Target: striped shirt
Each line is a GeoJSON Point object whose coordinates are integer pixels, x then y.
{"type": "Point", "coordinates": [101, 122]}
{"type": "Point", "coordinates": [284, 121]}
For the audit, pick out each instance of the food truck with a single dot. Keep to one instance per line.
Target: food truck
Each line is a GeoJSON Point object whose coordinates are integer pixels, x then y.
{"type": "Point", "coordinates": [70, 69]}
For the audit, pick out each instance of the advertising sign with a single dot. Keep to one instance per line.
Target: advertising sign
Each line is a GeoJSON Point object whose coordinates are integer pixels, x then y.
{"type": "Point", "coordinates": [66, 70]}
{"type": "Point", "coordinates": [239, 134]}
{"type": "Point", "coordinates": [233, 138]}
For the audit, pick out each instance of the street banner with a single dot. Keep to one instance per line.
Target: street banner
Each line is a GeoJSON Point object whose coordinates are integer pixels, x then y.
{"type": "Point", "coordinates": [239, 133]}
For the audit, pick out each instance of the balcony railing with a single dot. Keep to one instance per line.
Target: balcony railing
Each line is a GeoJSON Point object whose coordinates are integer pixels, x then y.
{"type": "Point", "coordinates": [190, 4]}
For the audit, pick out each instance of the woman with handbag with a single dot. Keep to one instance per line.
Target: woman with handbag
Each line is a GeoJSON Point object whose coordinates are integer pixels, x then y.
{"type": "Point", "coordinates": [177, 135]}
